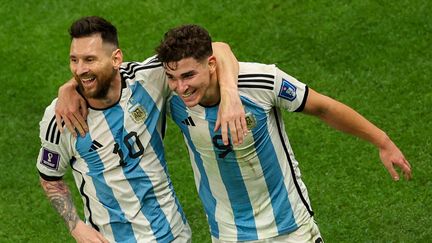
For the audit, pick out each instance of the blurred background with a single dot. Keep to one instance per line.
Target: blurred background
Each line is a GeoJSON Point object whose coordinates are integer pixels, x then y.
{"type": "Point", "coordinates": [375, 56]}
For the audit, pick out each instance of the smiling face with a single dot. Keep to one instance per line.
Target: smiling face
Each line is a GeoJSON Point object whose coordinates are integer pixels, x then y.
{"type": "Point", "coordinates": [194, 81]}
{"type": "Point", "coordinates": [93, 65]}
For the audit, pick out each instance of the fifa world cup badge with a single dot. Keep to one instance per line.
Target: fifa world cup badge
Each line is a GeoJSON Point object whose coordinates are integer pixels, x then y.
{"type": "Point", "coordinates": [137, 113]}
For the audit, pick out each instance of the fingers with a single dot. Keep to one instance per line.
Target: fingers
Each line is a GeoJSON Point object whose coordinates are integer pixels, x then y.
{"type": "Point", "coordinates": [404, 165]}
{"type": "Point", "coordinates": [393, 173]}
{"type": "Point", "coordinates": [59, 122]}
{"type": "Point", "coordinates": [70, 126]}
{"type": "Point", "coordinates": [244, 125]}
{"type": "Point", "coordinates": [406, 169]}
{"type": "Point", "coordinates": [101, 238]}
{"type": "Point", "coordinates": [225, 135]}
{"type": "Point", "coordinates": [218, 123]}
{"type": "Point", "coordinates": [233, 132]}
{"type": "Point", "coordinates": [236, 128]}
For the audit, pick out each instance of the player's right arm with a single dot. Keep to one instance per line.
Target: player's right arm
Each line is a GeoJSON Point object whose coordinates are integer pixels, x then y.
{"type": "Point", "coordinates": [60, 197]}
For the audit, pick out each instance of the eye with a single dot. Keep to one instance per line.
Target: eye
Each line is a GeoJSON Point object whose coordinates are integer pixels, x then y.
{"type": "Point", "coordinates": [90, 59]}
{"type": "Point", "coordinates": [188, 75]}
{"type": "Point", "coordinates": [73, 60]}
{"type": "Point", "coordinates": [170, 77]}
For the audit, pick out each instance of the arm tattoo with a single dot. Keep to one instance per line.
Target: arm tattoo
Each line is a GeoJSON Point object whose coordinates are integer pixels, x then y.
{"type": "Point", "coordinates": [60, 197]}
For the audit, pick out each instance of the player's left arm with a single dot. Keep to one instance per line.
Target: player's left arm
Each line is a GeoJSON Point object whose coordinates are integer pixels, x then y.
{"type": "Point", "coordinates": [344, 118]}
{"type": "Point", "coordinates": [71, 107]}
{"type": "Point", "coordinates": [231, 114]}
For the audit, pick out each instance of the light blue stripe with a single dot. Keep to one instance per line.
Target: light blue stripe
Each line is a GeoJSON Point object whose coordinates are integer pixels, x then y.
{"type": "Point", "coordinates": [282, 209]}
{"type": "Point", "coordinates": [234, 184]}
{"type": "Point", "coordinates": [153, 116]}
{"type": "Point", "coordinates": [121, 228]}
{"type": "Point", "coordinates": [136, 176]}
{"type": "Point", "coordinates": [178, 112]}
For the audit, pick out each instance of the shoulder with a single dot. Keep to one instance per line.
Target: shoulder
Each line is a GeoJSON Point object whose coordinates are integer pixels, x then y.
{"type": "Point", "coordinates": [149, 68]}
{"type": "Point", "coordinates": [256, 75]}
{"type": "Point", "coordinates": [49, 131]}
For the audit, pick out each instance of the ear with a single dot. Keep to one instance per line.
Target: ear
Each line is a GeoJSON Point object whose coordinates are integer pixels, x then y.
{"type": "Point", "coordinates": [117, 58]}
{"type": "Point", "coordinates": [212, 63]}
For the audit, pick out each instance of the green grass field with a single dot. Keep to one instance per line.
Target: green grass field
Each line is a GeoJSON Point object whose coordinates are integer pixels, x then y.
{"type": "Point", "coordinates": [372, 55]}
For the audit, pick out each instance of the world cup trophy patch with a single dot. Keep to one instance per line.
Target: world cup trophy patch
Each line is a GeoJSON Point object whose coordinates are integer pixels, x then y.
{"type": "Point", "coordinates": [137, 113]}
{"type": "Point", "coordinates": [288, 90]}
{"type": "Point", "coordinates": [50, 159]}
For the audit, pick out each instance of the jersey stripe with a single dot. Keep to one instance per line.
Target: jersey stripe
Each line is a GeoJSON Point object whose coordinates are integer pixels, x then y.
{"type": "Point", "coordinates": [53, 134]}
{"type": "Point", "coordinates": [130, 70]}
{"type": "Point", "coordinates": [282, 209]}
{"type": "Point", "coordinates": [260, 81]}
{"type": "Point", "coordinates": [156, 139]}
{"type": "Point", "coordinates": [293, 176]}
{"type": "Point", "coordinates": [103, 190]}
{"type": "Point", "coordinates": [208, 200]}
{"type": "Point", "coordinates": [254, 86]}
{"type": "Point", "coordinates": [234, 184]}
{"type": "Point", "coordinates": [263, 75]}
{"type": "Point", "coordinates": [87, 200]}
{"type": "Point", "coordinates": [142, 188]}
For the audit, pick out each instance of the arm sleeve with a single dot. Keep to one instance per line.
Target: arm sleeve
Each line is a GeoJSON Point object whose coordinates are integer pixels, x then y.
{"type": "Point", "coordinates": [290, 94]}
{"type": "Point", "coordinates": [55, 153]}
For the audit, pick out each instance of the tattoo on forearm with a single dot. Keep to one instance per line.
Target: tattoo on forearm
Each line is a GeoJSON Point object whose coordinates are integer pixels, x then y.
{"type": "Point", "coordinates": [60, 197]}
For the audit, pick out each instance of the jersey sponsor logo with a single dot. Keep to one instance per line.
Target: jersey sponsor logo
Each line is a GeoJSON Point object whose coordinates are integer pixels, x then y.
{"type": "Point", "coordinates": [50, 159]}
{"type": "Point", "coordinates": [287, 90]}
{"type": "Point", "coordinates": [188, 121]}
{"type": "Point", "coordinates": [95, 145]}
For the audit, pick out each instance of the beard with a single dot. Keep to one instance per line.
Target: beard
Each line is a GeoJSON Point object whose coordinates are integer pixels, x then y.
{"type": "Point", "coordinates": [103, 85]}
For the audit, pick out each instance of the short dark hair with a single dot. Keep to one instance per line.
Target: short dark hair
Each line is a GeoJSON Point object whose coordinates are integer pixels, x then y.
{"type": "Point", "coordinates": [183, 42]}
{"type": "Point", "coordinates": [90, 25]}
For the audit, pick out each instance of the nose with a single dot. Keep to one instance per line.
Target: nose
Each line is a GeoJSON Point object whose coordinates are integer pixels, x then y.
{"type": "Point", "coordinates": [80, 68]}
{"type": "Point", "coordinates": [182, 86]}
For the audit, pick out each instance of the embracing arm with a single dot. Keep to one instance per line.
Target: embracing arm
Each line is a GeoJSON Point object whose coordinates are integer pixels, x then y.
{"type": "Point", "coordinates": [345, 119]}
{"type": "Point", "coordinates": [60, 197]}
{"type": "Point", "coordinates": [231, 113]}
{"type": "Point", "coordinates": [71, 108]}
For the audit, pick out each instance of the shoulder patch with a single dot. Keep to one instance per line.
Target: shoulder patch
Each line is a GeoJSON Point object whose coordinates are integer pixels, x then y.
{"type": "Point", "coordinates": [287, 90]}
{"type": "Point", "coordinates": [50, 159]}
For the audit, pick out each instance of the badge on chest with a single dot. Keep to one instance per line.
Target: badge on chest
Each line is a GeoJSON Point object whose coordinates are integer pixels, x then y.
{"type": "Point", "coordinates": [136, 111]}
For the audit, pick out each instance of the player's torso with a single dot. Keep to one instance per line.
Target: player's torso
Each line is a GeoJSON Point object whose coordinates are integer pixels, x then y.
{"type": "Point", "coordinates": [121, 164]}
{"type": "Point", "coordinates": [247, 190]}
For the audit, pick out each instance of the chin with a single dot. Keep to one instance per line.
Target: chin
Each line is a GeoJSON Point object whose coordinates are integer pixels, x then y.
{"type": "Point", "coordinates": [191, 103]}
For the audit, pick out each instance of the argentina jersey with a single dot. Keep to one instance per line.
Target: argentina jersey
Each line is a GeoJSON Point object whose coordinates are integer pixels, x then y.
{"type": "Point", "coordinates": [119, 166]}
{"type": "Point", "coordinates": [254, 190]}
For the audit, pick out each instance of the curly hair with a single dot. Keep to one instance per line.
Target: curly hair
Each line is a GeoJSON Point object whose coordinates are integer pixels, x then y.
{"type": "Point", "coordinates": [183, 42]}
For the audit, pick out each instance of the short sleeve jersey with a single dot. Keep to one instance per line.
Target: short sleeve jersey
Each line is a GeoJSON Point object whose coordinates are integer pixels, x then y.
{"type": "Point", "coordinates": [119, 166]}
{"type": "Point", "coordinates": [254, 190]}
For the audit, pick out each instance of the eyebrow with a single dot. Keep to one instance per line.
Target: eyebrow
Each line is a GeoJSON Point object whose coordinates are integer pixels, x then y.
{"type": "Point", "coordinates": [186, 74]}
{"type": "Point", "coordinates": [183, 75]}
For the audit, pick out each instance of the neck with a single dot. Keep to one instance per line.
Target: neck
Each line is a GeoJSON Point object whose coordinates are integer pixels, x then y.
{"type": "Point", "coordinates": [112, 96]}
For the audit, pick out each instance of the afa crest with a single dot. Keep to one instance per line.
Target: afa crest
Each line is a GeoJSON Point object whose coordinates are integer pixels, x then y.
{"type": "Point", "coordinates": [137, 113]}
{"type": "Point", "coordinates": [250, 120]}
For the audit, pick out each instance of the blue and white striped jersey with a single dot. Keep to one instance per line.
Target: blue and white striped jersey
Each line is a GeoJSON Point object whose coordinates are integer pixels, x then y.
{"type": "Point", "coordinates": [119, 166]}
{"type": "Point", "coordinates": [254, 190]}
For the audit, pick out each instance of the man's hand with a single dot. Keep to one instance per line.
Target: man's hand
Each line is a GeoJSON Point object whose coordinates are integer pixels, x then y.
{"type": "Point", "coordinates": [84, 233]}
{"type": "Point", "coordinates": [231, 115]}
{"type": "Point", "coordinates": [72, 109]}
{"type": "Point", "coordinates": [391, 155]}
